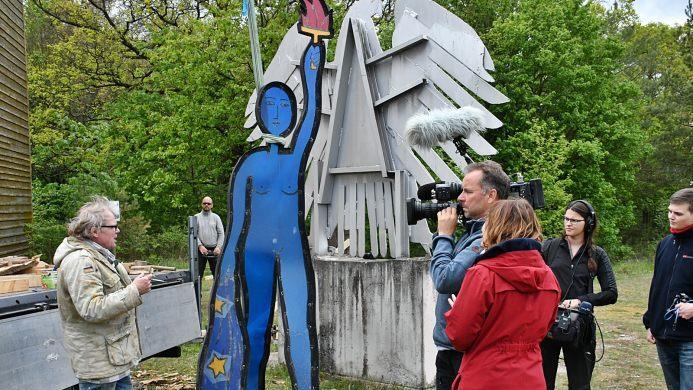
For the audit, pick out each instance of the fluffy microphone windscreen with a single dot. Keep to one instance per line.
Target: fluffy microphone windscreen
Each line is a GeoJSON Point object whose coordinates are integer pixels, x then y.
{"type": "Point", "coordinates": [437, 126]}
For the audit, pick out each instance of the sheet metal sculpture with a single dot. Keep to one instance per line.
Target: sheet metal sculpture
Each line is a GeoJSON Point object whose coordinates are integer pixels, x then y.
{"type": "Point", "coordinates": [361, 169]}
{"type": "Point", "coordinates": [266, 245]}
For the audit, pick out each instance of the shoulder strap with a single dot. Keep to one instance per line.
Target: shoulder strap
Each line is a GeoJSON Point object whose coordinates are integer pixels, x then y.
{"type": "Point", "coordinates": [551, 251]}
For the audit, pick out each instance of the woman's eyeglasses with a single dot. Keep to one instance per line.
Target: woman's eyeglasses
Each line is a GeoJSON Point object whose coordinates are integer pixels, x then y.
{"type": "Point", "coordinates": [572, 221]}
{"type": "Point", "coordinates": [114, 227]}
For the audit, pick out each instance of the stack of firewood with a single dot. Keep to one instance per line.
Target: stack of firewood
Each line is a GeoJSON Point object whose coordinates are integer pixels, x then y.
{"type": "Point", "coordinates": [140, 266]}
{"type": "Point", "coordinates": [20, 273]}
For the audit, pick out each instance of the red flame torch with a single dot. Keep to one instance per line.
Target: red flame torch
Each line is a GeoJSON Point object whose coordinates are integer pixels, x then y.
{"type": "Point", "coordinates": [315, 20]}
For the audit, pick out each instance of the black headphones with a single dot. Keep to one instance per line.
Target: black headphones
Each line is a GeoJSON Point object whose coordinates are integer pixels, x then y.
{"type": "Point", "coordinates": [591, 220]}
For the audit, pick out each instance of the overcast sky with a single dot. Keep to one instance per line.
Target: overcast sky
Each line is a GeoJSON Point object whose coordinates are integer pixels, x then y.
{"type": "Point", "coordinates": [664, 11]}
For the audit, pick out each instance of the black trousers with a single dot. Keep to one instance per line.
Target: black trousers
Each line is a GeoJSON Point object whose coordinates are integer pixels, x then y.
{"type": "Point", "coordinates": [579, 362]}
{"type": "Point", "coordinates": [203, 259]}
{"type": "Point", "coordinates": [447, 365]}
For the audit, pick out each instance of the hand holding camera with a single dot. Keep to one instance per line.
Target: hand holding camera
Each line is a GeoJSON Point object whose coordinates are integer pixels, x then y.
{"type": "Point", "coordinates": [447, 221]}
{"type": "Point", "coordinates": [684, 306]}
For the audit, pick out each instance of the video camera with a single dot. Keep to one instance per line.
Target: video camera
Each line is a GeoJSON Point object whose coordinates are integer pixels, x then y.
{"type": "Point", "coordinates": [681, 298]}
{"type": "Point", "coordinates": [427, 131]}
{"type": "Point", "coordinates": [442, 195]}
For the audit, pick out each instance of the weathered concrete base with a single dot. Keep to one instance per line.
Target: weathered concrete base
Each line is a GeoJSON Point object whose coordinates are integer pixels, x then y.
{"type": "Point", "coordinates": [376, 319]}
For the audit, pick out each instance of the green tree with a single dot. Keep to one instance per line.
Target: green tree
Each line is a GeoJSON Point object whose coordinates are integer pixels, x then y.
{"type": "Point", "coordinates": [176, 138]}
{"type": "Point", "coordinates": [142, 102]}
{"type": "Point", "coordinates": [573, 119]}
{"type": "Point", "coordinates": [658, 59]}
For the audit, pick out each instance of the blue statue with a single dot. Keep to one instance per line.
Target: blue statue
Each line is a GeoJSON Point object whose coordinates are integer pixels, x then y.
{"type": "Point", "coordinates": [266, 245]}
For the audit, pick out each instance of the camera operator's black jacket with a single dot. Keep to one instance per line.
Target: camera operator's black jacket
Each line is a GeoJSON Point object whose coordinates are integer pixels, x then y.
{"type": "Point", "coordinates": [673, 274]}
{"type": "Point", "coordinates": [574, 277]}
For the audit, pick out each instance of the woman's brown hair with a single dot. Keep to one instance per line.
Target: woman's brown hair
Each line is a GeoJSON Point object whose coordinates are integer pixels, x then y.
{"type": "Point", "coordinates": [508, 219]}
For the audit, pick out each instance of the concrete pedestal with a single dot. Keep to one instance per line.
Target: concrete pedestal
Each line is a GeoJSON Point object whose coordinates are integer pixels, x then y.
{"type": "Point", "coordinates": [376, 319]}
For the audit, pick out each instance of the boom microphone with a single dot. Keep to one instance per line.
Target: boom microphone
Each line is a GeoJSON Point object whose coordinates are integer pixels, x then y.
{"type": "Point", "coordinates": [438, 126]}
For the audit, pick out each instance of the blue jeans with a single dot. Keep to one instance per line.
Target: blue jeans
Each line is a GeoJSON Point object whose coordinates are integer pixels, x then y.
{"type": "Point", "coordinates": [122, 384]}
{"type": "Point", "coordinates": [676, 358]}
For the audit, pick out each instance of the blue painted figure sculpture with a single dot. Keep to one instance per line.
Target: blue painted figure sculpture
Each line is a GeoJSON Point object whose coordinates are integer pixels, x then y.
{"type": "Point", "coordinates": [266, 245]}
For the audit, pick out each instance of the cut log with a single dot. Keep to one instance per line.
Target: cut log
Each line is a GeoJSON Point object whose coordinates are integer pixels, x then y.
{"type": "Point", "coordinates": [162, 268]}
{"type": "Point", "coordinates": [40, 268]}
{"type": "Point", "coordinates": [34, 279]}
{"type": "Point", "coordinates": [11, 260]}
{"type": "Point", "coordinates": [14, 268]}
{"type": "Point", "coordinates": [141, 268]}
{"type": "Point", "coordinates": [8, 285]}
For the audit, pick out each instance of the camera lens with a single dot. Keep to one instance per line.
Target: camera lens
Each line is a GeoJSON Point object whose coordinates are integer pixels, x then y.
{"type": "Point", "coordinates": [417, 210]}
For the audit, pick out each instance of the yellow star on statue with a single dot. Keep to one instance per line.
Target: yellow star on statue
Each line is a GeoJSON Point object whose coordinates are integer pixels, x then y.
{"type": "Point", "coordinates": [217, 365]}
{"type": "Point", "coordinates": [218, 305]}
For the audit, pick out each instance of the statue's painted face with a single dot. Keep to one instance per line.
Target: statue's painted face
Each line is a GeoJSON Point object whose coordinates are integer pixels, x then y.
{"type": "Point", "coordinates": [277, 109]}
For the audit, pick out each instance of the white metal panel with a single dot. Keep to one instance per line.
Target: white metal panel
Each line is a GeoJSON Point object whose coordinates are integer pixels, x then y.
{"type": "Point", "coordinates": [167, 317]}
{"type": "Point", "coordinates": [351, 215]}
{"type": "Point", "coordinates": [389, 215]}
{"type": "Point", "coordinates": [361, 217]}
{"type": "Point", "coordinates": [32, 355]}
{"type": "Point", "coordinates": [382, 223]}
{"type": "Point", "coordinates": [372, 219]}
{"type": "Point", "coordinates": [339, 211]}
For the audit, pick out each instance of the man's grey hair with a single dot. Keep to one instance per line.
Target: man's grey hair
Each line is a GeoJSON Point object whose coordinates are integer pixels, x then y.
{"type": "Point", "coordinates": [683, 196]}
{"type": "Point", "coordinates": [90, 216]}
{"type": "Point", "coordinates": [493, 177]}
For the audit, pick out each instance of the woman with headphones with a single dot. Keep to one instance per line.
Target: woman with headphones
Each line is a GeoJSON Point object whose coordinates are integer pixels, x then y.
{"type": "Point", "coordinates": [575, 261]}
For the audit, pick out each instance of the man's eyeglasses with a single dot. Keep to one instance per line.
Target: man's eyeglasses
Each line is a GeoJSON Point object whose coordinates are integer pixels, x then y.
{"type": "Point", "coordinates": [206, 203]}
{"type": "Point", "coordinates": [572, 221]}
{"type": "Point", "coordinates": [114, 227]}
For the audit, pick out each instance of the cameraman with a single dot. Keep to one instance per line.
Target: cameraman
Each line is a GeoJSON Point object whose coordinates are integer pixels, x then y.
{"type": "Point", "coordinates": [483, 184]}
{"type": "Point", "coordinates": [668, 319]}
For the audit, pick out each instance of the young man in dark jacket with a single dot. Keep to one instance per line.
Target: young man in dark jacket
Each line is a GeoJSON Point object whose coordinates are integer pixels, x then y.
{"type": "Point", "coordinates": [669, 320]}
{"type": "Point", "coordinates": [484, 183]}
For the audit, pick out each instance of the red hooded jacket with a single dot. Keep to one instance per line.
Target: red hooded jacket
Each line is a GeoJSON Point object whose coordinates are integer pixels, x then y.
{"type": "Point", "coordinates": [507, 303]}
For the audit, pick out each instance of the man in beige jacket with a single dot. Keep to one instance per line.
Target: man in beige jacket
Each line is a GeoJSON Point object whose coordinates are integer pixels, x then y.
{"type": "Point", "coordinates": [97, 300]}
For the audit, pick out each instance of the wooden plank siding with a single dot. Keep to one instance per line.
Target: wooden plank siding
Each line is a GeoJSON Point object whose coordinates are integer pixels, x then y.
{"type": "Point", "coordinates": [15, 150]}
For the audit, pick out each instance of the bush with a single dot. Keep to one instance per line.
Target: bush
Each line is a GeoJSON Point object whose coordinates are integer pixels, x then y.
{"type": "Point", "coordinates": [134, 242]}
{"type": "Point", "coordinates": [44, 237]}
{"type": "Point", "coordinates": [170, 246]}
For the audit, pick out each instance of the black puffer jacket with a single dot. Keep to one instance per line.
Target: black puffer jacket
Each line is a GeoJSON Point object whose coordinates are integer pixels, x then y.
{"type": "Point", "coordinates": [574, 277]}
{"type": "Point", "coordinates": [673, 274]}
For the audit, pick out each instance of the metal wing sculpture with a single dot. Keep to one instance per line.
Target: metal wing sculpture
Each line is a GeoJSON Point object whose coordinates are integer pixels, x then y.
{"type": "Point", "coordinates": [361, 169]}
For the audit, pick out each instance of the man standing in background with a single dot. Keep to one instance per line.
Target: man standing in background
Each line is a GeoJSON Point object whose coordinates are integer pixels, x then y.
{"type": "Point", "coordinates": [210, 237]}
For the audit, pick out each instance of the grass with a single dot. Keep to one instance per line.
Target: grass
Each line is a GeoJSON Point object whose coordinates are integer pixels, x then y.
{"type": "Point", "coordinates": [629, 362]}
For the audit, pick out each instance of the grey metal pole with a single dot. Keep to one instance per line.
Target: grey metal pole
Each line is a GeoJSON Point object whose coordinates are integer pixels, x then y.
{"type": "Point", "coordinates": [255, 46]}
{"type": "Point", "coordinates": [192, 248]}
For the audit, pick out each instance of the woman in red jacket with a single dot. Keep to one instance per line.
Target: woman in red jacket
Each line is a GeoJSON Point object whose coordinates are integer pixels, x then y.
{"type": "Point", "coordinates": [506, 305]}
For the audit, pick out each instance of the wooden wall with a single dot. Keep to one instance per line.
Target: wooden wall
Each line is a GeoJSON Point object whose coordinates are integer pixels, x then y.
{"type": "Point", "coordinates": [15, 155]}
